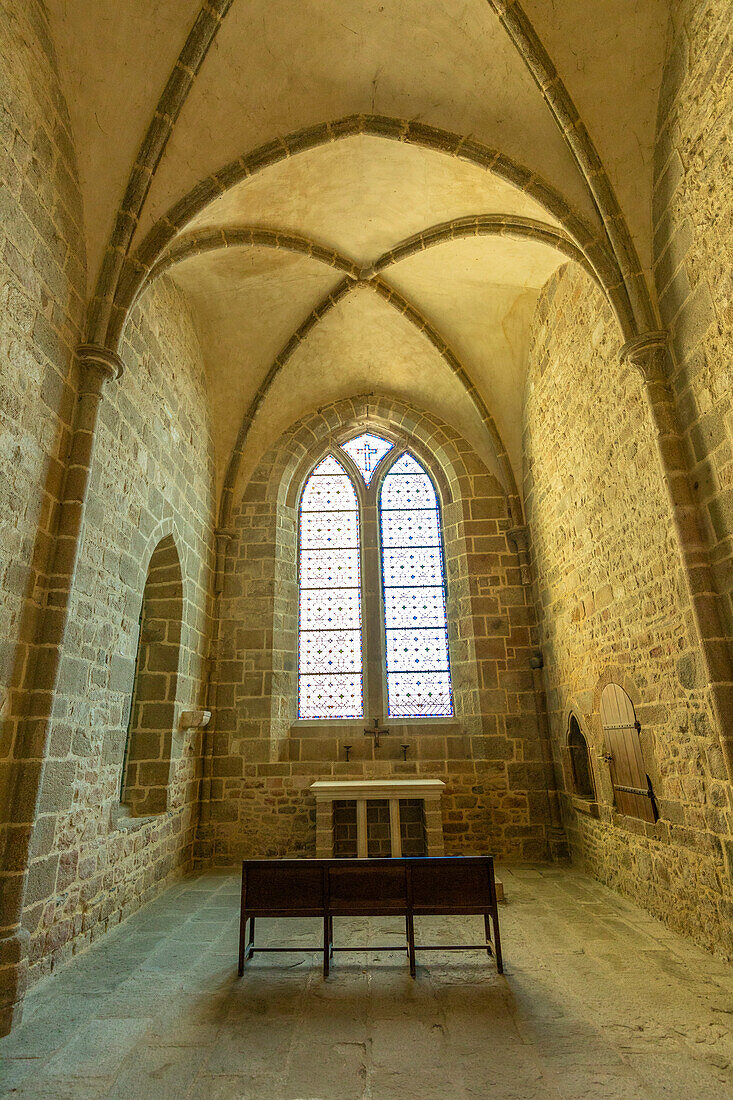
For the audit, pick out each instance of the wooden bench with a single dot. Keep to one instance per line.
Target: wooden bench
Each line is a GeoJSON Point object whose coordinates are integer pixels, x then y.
{"type": "Point", "coordinates": [328, 888]}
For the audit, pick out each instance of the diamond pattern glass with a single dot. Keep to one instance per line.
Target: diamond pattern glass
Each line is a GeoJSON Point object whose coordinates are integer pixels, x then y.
{"type": "Point", "coordinates": [331, 696]}
{"type": "Point", "coordinates": [329, 569]}
{"type": "Point", "coordinates": [324, 610]}
{"type": "Point", "coordinates": [329, 643]}
{"type": "Point", "coordinates": [410, 528]}
{"type": "Point", "coordinates": [407, 565]}
{"type": "Point", "coordinates": [323, 530]}
{"type": "Point", "coordinates": [367, 451]}
{"type": "Point", "coordinates": [408, 607]}
{"type": "Point", "coordinates": [413, 577]}
{"type": "Point", "coordinates": [418, 695]}
{"type": "Point", "coordinates": [330, 651]}
{"type": "Point", "coordinates": [408, 486]}
{"type": "Point", "coordinates": [408, 650]}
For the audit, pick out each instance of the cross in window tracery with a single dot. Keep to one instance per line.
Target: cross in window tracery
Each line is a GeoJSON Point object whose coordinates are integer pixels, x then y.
{"type": "Point", "coordinates": [369, 453]}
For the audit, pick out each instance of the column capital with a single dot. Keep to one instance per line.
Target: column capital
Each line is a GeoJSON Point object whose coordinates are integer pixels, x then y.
{"type": "Point", "coordinates": [646, 353]}
{"type": "Point", "coordinates": [224, 534]}
{"type": "Point", "coordinates": [102, 361]}
{"type": "Point", "coordinates": [519, 535]}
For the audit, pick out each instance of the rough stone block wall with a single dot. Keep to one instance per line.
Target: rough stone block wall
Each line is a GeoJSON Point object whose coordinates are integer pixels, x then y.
{"type": "Point", "coordinates": [264, 761]}
{"type": "Point", "coordinates": [344, 830]}
{"type": "Point", "coordinates": [379, 845]}
{"type": "Point", "coordinates": [613, 606]}
{"type": "Point", "coordinates": [42, 289]}
{"type": "Point", "coordinates": [693, 257]}
{"type": "Point", "coordinates": [152, 477]}
{"type": "Point", "coordinates": [412, 827]}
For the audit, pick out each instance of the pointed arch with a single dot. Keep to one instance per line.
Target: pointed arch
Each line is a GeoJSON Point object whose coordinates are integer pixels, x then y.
{"type": "Point", "coordinates": [414, 591]}
{"type": "Point", "coordinates": [146, 763]}
{"type": "Point", "coordinates": [121, 287]}
{"type": "Point", "coordinates": [330, 665]}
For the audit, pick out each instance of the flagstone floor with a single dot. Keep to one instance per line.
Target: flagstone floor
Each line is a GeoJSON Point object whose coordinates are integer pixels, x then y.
{"type": "Point", "coordinates": [598, 1001]}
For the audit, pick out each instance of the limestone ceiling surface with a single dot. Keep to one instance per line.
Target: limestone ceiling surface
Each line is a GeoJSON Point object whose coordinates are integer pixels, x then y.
{"type": "Point", "coordinates": [113, 64]}
{"type": "Point", "coordinates": [247, 303]}
{"type": "Point", "coordinates": [363, 194]}
{"type": "Point", "coordinates": [364, 346]}
{"type": "Point", "coordinates": [447, 63]}
{"type": "Point", "coordinates": [612, 65]}
{"type": "Point", "coordinates": [277, 66]}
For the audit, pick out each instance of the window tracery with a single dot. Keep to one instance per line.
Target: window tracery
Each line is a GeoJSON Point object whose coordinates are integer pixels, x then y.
{"type": "Point", "coordinates": [367, 451]}
{"type": "Point", "coordinates": [403, 640]}
{"type": "Point", "coordinates": [413, 579]}
{"type": "Point", "coordinates": [330, 656]}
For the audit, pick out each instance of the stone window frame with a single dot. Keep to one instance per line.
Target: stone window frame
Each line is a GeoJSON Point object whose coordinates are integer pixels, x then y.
{"type": "Point", "coordinates": [578, 796]}
{"type": "Point", "coordinates": [374, 668]}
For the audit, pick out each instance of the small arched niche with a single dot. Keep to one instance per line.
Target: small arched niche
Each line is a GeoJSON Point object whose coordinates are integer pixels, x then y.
{"type": "Point", "coordinates": [147, 761]}
{"type": "Point", "coordinates": [580, 766]}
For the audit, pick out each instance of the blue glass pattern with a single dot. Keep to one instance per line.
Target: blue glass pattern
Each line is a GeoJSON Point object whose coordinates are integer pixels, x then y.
{"type": "Point", "coordinates": [367, 451]}
{"type": "Point", "coordinates": [329, 636]}
{"type": "Point", "coordinates": [413, 577]}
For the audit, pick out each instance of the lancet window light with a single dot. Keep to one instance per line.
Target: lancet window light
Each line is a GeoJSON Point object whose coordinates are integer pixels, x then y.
{"type": "Point", "coordinates": [406, 637]}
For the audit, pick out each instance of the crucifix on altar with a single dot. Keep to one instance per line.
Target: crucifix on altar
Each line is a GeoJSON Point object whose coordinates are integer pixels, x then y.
{"type": "Point", "coordinates": [375, 732]}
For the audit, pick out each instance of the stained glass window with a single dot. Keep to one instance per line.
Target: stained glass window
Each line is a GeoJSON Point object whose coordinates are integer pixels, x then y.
{"type": "Point", "coordinates": [367, 451]}
{"type": "Point", "coordinates": [329, 657]}
{"type": "Point", "coordinates": [418, 668]}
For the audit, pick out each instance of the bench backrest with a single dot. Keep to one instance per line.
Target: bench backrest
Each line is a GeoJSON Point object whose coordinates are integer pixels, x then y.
{"type": "Point", "coordinates": [430, 884]}
{"type": "Point", "coordinates": [284, 887]}
{"type": "Point", "coordinates": [453, 885]}
{"type": "Point", "coordinates": [380, 889]}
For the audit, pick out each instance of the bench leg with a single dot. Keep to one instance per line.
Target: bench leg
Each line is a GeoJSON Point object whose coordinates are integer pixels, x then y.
{"type": "Point", "coordinates": [497, 941]}
{"type": "Point", "coordinates": [242, 940]}
{"type": "Point", "coordinates": [326, 945]}
{"type": "Point", "coordinates": [487, 934]}
{"type": "Point", "coordinates": [251, 945]}
{"type": "Point", "coordinates": [411, 943]}
{"type": "Point", "coordinates": [407, 936]}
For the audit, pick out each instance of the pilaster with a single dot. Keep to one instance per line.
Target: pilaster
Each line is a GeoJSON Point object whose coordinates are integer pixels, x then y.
{"type": "Point", "coordinates": [648, 354]}
{"type": "Point", "coordinates": [97, 365]}
{"type": "Point", "coordinates": [520, 536]}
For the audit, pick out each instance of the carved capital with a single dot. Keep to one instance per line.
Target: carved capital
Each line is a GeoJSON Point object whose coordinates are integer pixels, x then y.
{"type": "Point", "coordinates": [520, 537]}
{"type": "Point", "coordinates": [647, 353]}
{"type": "Point", "coordinates": [223, 536]}
{"type": "Point", "coordinates": [98, 364]}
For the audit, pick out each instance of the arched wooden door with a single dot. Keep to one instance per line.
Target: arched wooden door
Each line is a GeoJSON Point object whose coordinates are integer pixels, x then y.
{"type": "Point", "coordinates": [631, 784]}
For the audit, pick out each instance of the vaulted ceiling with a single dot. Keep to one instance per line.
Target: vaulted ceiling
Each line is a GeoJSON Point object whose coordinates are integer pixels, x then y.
{"type": "Point", "coordinates": [487, 143]}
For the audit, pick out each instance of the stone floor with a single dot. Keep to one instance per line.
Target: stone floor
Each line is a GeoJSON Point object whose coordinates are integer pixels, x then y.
{"type": "Point", "coordinates": [598, 1000]}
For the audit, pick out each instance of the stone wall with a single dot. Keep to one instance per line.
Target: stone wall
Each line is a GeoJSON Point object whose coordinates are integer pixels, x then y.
{"type": "Point", "coordinates": [693, 254]}
{"type": "Point", "coordinates": [263, 761]}
{"type": "Point", "coordinates": [42, 288]}
{"type": "Point", "coordinates": [613, 606]}
{"type": "Point", "coordinates": [152, 479]}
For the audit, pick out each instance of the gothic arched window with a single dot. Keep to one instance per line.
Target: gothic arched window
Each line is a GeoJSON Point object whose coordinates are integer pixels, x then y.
{"type": "Point", "coordinates": [413, 580]}
{"type": "Point", "coordinates": [580, 761]}
{"type": "Point", "coordinates": [329, 659]}
{"type": "Point", "coordinates": [373, 635]}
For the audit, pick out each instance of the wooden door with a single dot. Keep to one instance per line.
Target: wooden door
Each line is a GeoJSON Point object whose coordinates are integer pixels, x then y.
{"type": "Point", "coordinates": [628, 774]}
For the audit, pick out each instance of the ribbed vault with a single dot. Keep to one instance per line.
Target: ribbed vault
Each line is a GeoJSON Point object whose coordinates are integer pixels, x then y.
{"type": "Point", "coordinates": [406, 177]}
